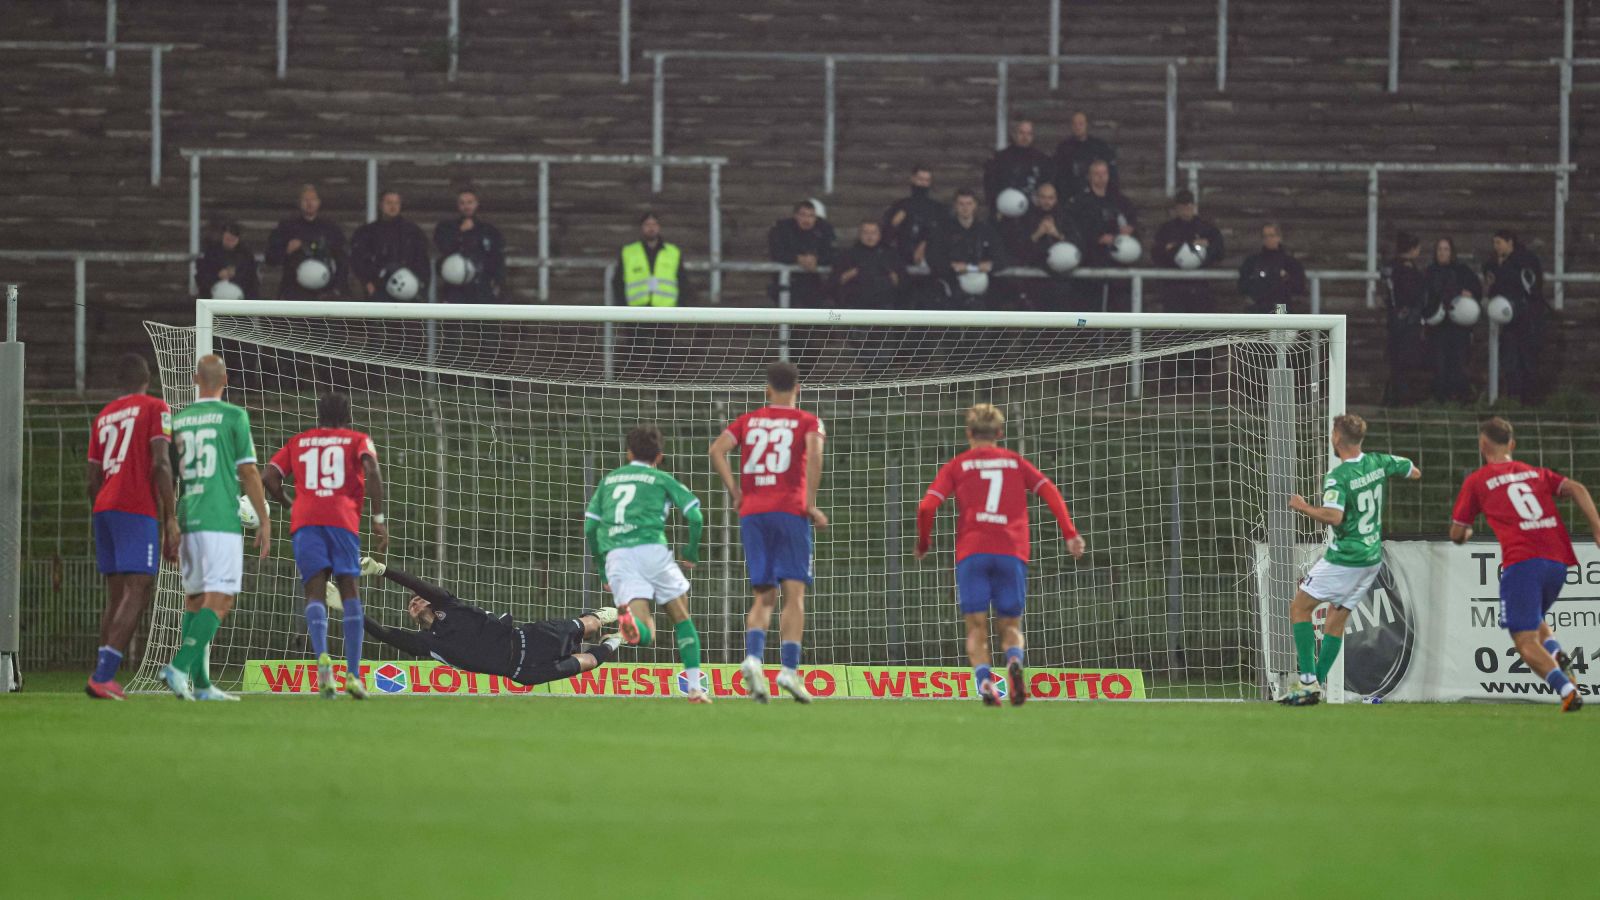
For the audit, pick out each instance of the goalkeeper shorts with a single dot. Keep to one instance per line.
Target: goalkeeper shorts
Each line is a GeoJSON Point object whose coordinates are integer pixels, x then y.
{"type": "Point", "coordinates": [646, 572]}
{"type": "Point", "coordinates": [1343, 586]}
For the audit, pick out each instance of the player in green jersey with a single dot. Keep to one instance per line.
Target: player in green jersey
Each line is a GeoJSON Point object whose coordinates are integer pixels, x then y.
{"type": "Point", "coordinates": [216, 457]}
{"type": "Point", "coordinates": [626, 527]}
{"type": "Point", "coordinates": [1352, 508]}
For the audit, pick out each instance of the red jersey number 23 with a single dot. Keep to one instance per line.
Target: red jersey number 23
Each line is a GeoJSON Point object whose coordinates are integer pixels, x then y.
{"type": "Point", "coordinates": [768, 453]}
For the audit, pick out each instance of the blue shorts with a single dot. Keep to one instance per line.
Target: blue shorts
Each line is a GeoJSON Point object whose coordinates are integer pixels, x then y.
{"type": "Point", "coordinates": [318, 548]}
{"type": "Point", "coordinates": [127, 543]}
{"type": "Point", "coordinates": [777, 547]}
{"type": "Point", "coordinates": [992, 579]}
{"type": "Point", "coordinates": [1527, 591]}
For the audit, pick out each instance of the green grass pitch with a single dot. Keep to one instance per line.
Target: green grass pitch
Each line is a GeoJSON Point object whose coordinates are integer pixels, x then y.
{"type": "Point", "coordinates": [281, 797]}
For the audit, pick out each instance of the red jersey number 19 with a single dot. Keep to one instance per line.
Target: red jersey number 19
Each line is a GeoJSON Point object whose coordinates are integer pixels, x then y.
{"type": "Point", "coordinates": [768, 453]}
{"type": "Point", "coordinates": [324, 468]}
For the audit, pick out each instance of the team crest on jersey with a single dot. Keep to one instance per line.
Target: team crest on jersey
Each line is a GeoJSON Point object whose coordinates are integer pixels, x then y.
{"type": "Point", "coordinates": [390, 678]}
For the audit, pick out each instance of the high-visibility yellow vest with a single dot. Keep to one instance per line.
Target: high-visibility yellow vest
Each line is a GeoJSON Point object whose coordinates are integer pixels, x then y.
{"type": "Point", "coordinates": [643, 287]}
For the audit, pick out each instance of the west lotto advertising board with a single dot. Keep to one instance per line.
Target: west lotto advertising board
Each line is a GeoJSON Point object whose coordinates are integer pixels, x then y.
{"type": "Point", "coordinates": [1430, 630]}
{"type": "Point", "coordinates": [662, 680]}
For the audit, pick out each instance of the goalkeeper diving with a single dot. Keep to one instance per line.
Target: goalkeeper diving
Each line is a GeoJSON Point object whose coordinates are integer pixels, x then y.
{"type": "Point", "coordinates": [473, 640]}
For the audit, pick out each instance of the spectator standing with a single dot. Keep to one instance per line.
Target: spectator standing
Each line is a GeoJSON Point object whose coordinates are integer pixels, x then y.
{"type": "Point", "coordinates": [1186, 228]}
{"type": "Point", "coordinates": [380, 248]}
{"type": "Point", "coordinates": [1271, 275]}
{"type": "Point", "coordinates": [1021, 166]}
{"type": "Point", "coordinates": [481, 244]}
{"type": "Point", "coordinates": [308, 235]}
{"type": "Point", "coordinates": [1515, 273]}
{"type": "Point", "coordinates": [909, 224]}
{"type": "Point", "coordinates": [1077, 153]}
{"type": "Point", "coordinates": [226, 258]}
{"type": "Point", "coordinates": [1101, 213]}
{"type": "Point", "coordinates": [1407, 292]}
{"type": "Point", "coordinates": [966, 243]}
{"type": "Point", "coordinates": [649, 271]}
{"type": "Point", "coordinates": [1446, 280]}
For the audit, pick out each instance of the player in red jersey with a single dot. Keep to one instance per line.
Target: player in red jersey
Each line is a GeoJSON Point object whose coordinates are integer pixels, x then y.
{"type": "Point", "coordinates": [780, 447]}
{"type": "Point", "coordinates": [1519, 502]}
{"type": "Point", "coordinates": [135, 513]}
{"type": "Point", "coordinates": [333, 468]}
{"type": "Point", "coordinates": [991, 486]}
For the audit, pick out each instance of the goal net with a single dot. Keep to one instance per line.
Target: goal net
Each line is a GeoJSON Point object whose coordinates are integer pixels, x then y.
{"type": "Point", "coordinates": [1175, 440]}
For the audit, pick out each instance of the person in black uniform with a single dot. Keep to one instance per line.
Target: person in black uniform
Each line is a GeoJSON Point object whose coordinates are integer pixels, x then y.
{"type": "Point", "coordinates": [226, 258]}
{"type": "Point", "coordinates": [867, 274]}
{"type": "Point", "coordinates": [1021, 166]}
{"type": "Point", "coordinates": [481, 243]}
{"type": "Point", "coordinates": [472, 640]}
{"type": "Point", "coordinates": [804, 240]}
{"type": "Point", "coordinates": [1446, 279]}
{"type": "Point", "coordinates": [1515, 273]}
{"type": "Point", "coordinates": [967, 243]}
{"type": "Point", "coordinates": [1271, 275]}
{"type": "Point", "coordinates": [308, 236]}
{"type": "Point", "coordinates": [1101, 213]}
{"type": "Point", "coordinates": [380, 248]}
{"type": "Point", "coordinates": [908, 225]}
{"type": "Point", "coordinates": [1407, 291]}
{"type": "Point", "coordinates": [1028, 241]}
{"type": "Point", "coordinates": [1077, 153]}
{"type": "Point", "coordinates": [1186, 228]}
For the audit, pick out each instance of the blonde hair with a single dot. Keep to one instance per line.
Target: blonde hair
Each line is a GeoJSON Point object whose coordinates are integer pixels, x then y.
{"type": "Point", "coordinates": [985, 421]}
{"type": "Point", "coordinates": [1350, 429]}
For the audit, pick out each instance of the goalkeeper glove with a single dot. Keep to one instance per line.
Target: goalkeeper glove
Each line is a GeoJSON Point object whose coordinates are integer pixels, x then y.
{"type": "Point", "coordinates": [370, 566]}
{"type": "Point", "coordinates": [335, 599]}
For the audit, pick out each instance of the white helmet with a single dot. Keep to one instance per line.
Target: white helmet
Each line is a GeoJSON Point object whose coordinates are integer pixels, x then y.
{"type": "Point", "coordinates": [822, 210]}
{"type": "Point", "coordinates": [402, 285]}
{"type": "Point", "coordinates": [1438, 314]}
{"type": "Point", "coordinates": [1464, 312]}
{"type": "Point", "coordinates": [974, 282]}
{"type": "Point", "coordinates": [226, 290]}
{"type": "Point", "coordinates": [1190, 256]}
{"type": "Point", "coordinates": [1063, 257]}
{"type": "Point", "coordinates": [247, 513]}
{"type": "Point", "coordinates": [457, 269]}
{"type": "Point", "coordinates": [1500, 310]}
{"type": "Point", "coordinates": [1125, 249]}
{"type": "Point", "coordinates": [1011, 203]}
{"type": "Point", "coordinates": [313, 274]}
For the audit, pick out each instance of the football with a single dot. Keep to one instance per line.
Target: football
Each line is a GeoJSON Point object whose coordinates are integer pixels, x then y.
{"type": "Point", "coordinates": [247, 514]}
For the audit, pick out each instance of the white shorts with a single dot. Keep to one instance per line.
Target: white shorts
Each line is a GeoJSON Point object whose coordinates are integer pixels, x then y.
{"type": "Point", "coordinates": [645, 573]}
{"type": "Point", "coordinates": [1343, 586]}
{"type": "Point", "coordinates": [212, 562]}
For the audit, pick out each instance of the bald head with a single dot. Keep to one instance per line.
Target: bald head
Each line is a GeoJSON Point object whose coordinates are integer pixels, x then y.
{"type": "Point", "coordinates": [210, 375]}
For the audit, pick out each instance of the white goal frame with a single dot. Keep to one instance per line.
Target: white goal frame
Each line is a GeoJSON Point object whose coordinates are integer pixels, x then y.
{"type": "Point", "coordinates": [1278, 572]}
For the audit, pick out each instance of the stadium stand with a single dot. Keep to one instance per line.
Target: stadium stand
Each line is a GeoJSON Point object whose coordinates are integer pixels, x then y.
{"type": "Point", "coordinates": [1476, 85]}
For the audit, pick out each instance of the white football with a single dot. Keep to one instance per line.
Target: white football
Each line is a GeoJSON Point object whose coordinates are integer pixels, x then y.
{"type": "Point", "coordinates": [247, 514]}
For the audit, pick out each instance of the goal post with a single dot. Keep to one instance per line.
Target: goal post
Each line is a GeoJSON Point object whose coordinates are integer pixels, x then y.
{"type": "Point", "coordinates": [1175, 439]}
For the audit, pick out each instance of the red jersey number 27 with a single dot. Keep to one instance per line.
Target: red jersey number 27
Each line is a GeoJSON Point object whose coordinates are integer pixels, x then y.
{"type": "Point", "coordinates": [768, 453]}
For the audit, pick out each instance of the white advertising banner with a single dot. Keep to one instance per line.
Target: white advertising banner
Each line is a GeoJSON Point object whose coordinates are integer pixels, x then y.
{"type": "Point", "coordinates": [1430, 630]}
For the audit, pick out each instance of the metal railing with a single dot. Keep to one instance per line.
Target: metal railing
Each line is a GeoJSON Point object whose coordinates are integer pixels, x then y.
{"type": "Point", "coordinates": [544, 161]}
{"type": "Point", "coordinates": [1561, 171]}
{"type": "Point", "coordinates": [830, 63]}
{"type": "Point", "coordinates": [111, 47]}
{"type": "Point", "coordinates": [80, 260]}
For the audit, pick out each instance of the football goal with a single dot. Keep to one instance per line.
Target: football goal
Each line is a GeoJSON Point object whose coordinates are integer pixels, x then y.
{"type": "Point", "coordinates": [1176, 441]}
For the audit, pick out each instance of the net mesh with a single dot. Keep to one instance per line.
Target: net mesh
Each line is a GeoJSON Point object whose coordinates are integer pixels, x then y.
{"type": "Point", "coordinates": [492, 434]}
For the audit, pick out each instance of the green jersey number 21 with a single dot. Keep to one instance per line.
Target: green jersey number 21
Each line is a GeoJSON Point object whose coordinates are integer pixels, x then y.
{"type": "Point", "coordinates": [1369, 502]}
